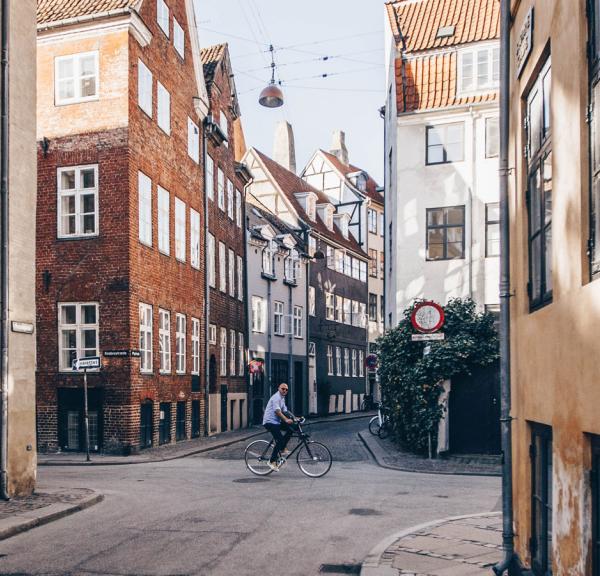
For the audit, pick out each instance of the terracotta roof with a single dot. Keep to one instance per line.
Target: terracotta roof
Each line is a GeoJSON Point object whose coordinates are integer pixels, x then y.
{"type": "Point", "coordinates": [415, 23]}
{"type": "Point", "coordinates": [56, 10]}
{"type": "Point", "coordinates": [210, 57]}
{"type": "Point", "coordinates": [291, 184]}
{"type": "Point", "coordinates": [371, 189]}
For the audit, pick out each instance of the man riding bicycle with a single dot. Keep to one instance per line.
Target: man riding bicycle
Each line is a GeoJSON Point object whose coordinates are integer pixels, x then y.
{"type": "Point", "coordinates": [278, 419]}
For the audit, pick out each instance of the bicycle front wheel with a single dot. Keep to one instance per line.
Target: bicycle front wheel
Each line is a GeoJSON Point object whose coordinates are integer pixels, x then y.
{"type": "Point", "coordinates": [384, 431]}
{"type": "Point", "coordinates": [314, 459]}
{"type": "Point", "coordinates": [257, 456]}
{"type": "Point", "coordinates": [374, 425]}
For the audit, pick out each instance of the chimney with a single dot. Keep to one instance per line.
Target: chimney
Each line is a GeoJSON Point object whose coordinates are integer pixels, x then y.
{"type": "Point", "coordinates": [338, 147]}
{"type": "Point", "coordinates": [284, 150]}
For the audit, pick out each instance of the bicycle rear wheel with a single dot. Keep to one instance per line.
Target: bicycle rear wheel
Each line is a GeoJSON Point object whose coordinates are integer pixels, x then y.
{"type": "Point", "coordinates": [314, 459]}
{"type": "Point", "coordinates": [374, 425]}
{"type": "Point", "coordinates": [257, 456]}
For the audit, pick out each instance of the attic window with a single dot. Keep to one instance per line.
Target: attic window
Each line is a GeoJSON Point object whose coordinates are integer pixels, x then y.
{"type": "Point", "coordinates": [445, 31]}
{"type": "Point", "coordinates": [311, 207]}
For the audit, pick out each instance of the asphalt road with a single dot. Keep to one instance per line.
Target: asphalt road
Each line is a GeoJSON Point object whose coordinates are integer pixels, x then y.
{"type": "Point", "coordinates": [207, 515]}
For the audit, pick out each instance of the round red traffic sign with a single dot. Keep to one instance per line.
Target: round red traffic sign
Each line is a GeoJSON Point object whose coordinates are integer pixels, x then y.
{"type": "Point", "coordinates": [427, 317]}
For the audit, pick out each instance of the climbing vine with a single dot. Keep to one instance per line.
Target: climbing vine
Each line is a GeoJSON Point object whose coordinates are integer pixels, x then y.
{"type": "Point", "coordinates": [412, 382]}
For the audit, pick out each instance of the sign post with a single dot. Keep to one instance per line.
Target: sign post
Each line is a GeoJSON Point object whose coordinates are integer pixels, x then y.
{"type": "Point", "coordinates": [85, 363]}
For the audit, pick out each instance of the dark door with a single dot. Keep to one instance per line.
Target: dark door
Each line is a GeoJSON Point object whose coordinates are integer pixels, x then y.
{"type": "Point", "coordinates": [180, 425]}
{"type": "Point", "coordinates": [71, 422]}
{"type": "Point", "coordinates": [164, 427]}
{"type": "Point", "coordinates": [212, 374]}
{"type": "Point", "coordinates": [195, 418]}
{"type": "Point", "coordinates": [298, 388]}
{"type": "Point", "coordinates": [223, 407]}
{"type": "Point", "coordinates": [279, 373]}
{"type": "Point", "coordinates": [474, 412]}
{"type": "Point", "coordinates": [258, 397]}
{"type": "Point", "coordinates": [146, 425]}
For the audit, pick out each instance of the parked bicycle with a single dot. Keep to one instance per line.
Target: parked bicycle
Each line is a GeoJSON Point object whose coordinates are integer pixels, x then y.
{"type": "Point", "coordinates": [313, 458]}
{"type": "Point", "coordinates": [380, 425]}
{"type": "Point", "coordinates": [368, 403]}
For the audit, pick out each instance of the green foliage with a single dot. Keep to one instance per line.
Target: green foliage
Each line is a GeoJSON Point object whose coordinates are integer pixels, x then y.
{"type": "Point", "coordinates": [412, 383]}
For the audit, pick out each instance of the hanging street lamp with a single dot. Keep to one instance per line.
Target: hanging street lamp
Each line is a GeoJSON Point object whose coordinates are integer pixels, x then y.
{"type": "Point", "coordinates": [271, 96]}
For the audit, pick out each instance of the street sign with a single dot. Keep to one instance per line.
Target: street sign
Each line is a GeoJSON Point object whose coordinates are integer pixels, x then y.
{"type": "Point", "coordinates": [427, 317]}
{"type": "Point", "coordinates": [86, 363]}
{"type": "Point", "coordinates": [427, 337]}
{"type": "Point", "coordinates": [136, 354]}
{"type": "Point", "coordinates": [115, 353]}
{"type": "Point", "coordinates": [371, 361]}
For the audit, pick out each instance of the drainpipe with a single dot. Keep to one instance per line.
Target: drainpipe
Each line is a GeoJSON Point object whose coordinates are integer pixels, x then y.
{"type": "Point", "coordinates": [269, 335]}
{"type": "Point", "coordinates": [206, 303]}
{"type": "Point", "coordinates": [290, 340]}
{"type": "Point", "coordinates": [509, 561]}
{"type": "Point", "coordinates": [4, 241]}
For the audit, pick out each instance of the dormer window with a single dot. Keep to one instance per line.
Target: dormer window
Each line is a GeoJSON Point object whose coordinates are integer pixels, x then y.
{"type": "Point", "coordinates": [329, 217]}
{"type": "Point", "coordinates": [342, 222]}
{"type": "Point", "coordinates": [308, 201]}
{"type": "Point", "coordinates": [478, 70]}
{"type": "Point", "coordinates": [361, 182]}
{"type": "Point", "coordinates": [268, 257]}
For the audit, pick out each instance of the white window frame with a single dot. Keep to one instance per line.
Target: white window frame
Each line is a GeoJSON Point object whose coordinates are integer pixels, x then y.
{"type": "Point", "coordinates": [338, 312]}
{"type": "Point", "coordinates": [180, 235]}
{"type": "Point", "coordinates": [361, 363]}
{"type": "Point", "coordinates": [78, 193]}
{"type": "Point", "coordinates": [212, 263]}
{"type": "Point", "coordinates": [355, 316]}
{"type": "Point", "coordinates": [145, 88]}
{"type": "Point", "coordinates": [223, 355]}
{"type": "Point", "coordinates": [79, 327]}
{"type": "Point", "coordinates": [232, 349]}
{"type": "Point", "coordinates": [77, 78]}
{"type": "Point", "coordinates": [312, 301]}
{"type": "Point", "coordinates": [180, 343]}
{"type": "Point", "coordinates": [346, 362]}
{"type": "Point", "coordinates": [195, 346]}
{"type": "Point", "coordinates": [329, 306]}
{"type": "Point", "coordinates": [238, 208]}
{"type": "Point", "coordinates": [354, 358]}
{"type": "Point", "coordinates": [193, 141]}
{"type": "Point", "coordinates": [163, 108]}
{"type": "Point", "coordinates": [194, 239]}
{"type": "Point", "coordinates": [224, 125]}
{"type": "Point", "coordinates": [145, 334]}
{"type": "Point", "coordinates": [144, 209]}
{"type": "Point", "coordinates": [363, 271]}
{"type": "Point", "coordinates": [162, 16]}
{"type": "Point", "coordinates": [209, 179]}
{"type": "Point", "coordinates": [338, 361]}
{"type": "Point", "coordinates": [222, 267]}
{"type": "Point", "coordinates": [178, 38]}
{"type": "Point", "coordinates": [164, 340]}
{"type": "Point", "coordinates": [241, 355]}
{"type": "Point", "coordinates": [212, 333]}
{"type": "Point", "coordinates": [298, 317]}
{"type": "Point", "coordinates": [240, 275]}
{"type": "Point", "coordinates": [329, 360]}
{"type": "Point", "coordinates": [164, 215]}
{"type": "Point", "coordinates": [475, 84]}
{"type": "Point", "coordinates": [230, 199]}
{"type": "Point", "coordinates": [231, 272]}
{"type": "Point", "coordinates": [221, 189]}
{"type": "Point", "coordinates": [258, 311]}
{"type": "Point", "coordinates": [278, 318]}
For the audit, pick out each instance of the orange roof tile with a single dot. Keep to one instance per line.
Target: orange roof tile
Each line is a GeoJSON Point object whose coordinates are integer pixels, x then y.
{"type": "Point", "coordinates": [56, 10]}
{"type": "Point", "coordinates": [210, 57]}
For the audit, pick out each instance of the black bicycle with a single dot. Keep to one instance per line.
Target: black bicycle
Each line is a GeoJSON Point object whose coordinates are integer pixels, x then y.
{"type": "Point", "coordinates": [313, 458]}
{"type": "Point", "coordinates": [368, 403]}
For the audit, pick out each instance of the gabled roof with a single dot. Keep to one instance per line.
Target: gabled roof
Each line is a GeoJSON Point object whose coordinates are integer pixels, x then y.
{"type": "Point", "coordinates": [211, 57]}
{"type": "Point", "coordinates": [290, 184]}
{"type": "Point", "coordinates": [56, 10]}
{"type": "Point", "coordinates": [259, 216]}
{"type": "Point", "coordinates": [415, 23]}
{"type": "Point", "coordinates": [345, 170]}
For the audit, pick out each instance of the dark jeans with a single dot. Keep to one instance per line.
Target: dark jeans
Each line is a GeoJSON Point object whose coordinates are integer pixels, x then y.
{"type": "Point", "coordinates": [281, 440]}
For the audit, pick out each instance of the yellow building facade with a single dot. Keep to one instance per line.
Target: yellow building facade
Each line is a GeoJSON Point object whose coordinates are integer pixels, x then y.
{"type": "Point", "coordinates": [555, 285]}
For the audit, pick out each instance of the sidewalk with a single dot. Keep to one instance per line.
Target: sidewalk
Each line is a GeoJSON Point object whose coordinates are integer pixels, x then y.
{"type": "Point", "coordinates": [178, 450]}
{"type": "Point", "coordinates": [45, 505]}
{"type": "Point", "coordinates": [459, 546]}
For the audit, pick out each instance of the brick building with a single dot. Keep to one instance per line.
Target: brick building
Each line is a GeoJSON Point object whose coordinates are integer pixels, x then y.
{"type": "Point", "coordinates": [225, 183]}
{"type": "Point", "coordinates": [120, 105]}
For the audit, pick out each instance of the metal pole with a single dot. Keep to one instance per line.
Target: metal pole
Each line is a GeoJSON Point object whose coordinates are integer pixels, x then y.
{"type": "Point", "coordinates": [86, 420]}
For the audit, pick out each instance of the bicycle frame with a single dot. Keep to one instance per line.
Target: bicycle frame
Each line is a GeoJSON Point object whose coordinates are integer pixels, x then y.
{"type": "Point", "coordinates": [303, 441]}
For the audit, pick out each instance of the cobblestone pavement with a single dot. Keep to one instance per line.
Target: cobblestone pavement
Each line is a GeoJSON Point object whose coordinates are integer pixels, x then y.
{"type": "Point", "coordinates": [41, 499]}
{"type": "Point", "coordinates": [466, 546]}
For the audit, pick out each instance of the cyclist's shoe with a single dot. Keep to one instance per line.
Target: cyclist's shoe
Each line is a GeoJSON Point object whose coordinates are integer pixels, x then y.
{"type": "Point", "coordinates": [285, 452]}
{"type": "Point", "coordinates": [274, 466]}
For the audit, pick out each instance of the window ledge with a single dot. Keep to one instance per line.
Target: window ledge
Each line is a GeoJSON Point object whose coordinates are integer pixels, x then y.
{"type": "Point", "coordinates": [268, 276]}
{"type": "Point", "coordinates": [77, 101]}
{"type": "Point", "coordinates": [78, 237]}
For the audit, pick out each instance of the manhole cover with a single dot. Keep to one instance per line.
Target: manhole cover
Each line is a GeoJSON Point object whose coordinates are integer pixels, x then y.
{"type": "Point", "coordinates": [250, 480]}
{"type": "Point", "coordinates": [339, 569]}
{"type": "Point", "coordinates": [364, 512]}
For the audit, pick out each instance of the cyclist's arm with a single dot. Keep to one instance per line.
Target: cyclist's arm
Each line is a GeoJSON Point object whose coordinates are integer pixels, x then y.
{"type": "Point", "coordinates": [283, 417]}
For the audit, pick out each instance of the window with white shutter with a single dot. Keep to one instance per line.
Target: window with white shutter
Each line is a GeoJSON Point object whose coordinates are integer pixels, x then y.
{"type": "Point", "coordinates": [144, 88]}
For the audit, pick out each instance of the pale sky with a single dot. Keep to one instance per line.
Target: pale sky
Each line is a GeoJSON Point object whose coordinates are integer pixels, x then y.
{"type": "Point", "coordinates": [349, 33]}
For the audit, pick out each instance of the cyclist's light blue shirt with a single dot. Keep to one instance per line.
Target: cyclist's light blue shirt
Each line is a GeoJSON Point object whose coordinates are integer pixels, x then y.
{"type": "Point", "coordinates": [276, 402]}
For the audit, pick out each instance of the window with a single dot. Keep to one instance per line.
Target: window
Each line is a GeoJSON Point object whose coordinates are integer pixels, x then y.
{"type": "Point", "coordinates": [347, 311]}
{"type": "Point", "coordinates": [162, 16]}
{"type": "Point", "coordinates": [339, 261]}
{"type": "Point", "coordinates": [268, 255]}
{"type": "Point", "coordinates": [180, 229]}
{"type": "Point", "coordinates": [232, 362]}
{"type": "Point", "coordinates": [278, 318]}
{"type": "Point", "coordinates": [77, 201]}
{"type": "Point", "coordinates": [479, 69]}
{"type": "Point", "coordinates": [222, 267]}
{"type": "Point", "coordinates": [330, 257]}
{"type": "Point", "coordinates": [354, 367]}
{"type": "Point", "coordinates": [76, 78]}
{"type": "Point", "coordinates": [145, 337]}
{"type": "Point", "coordinates": [144, 88]}
{"type": "Point", "coordinates": [212, 334]}
{"type": "Point", "coordinates": [373, 263]}
{"type": "Point", "coordinates": [346, 362]}
{"type": "Point", "coordinates": [541, 499]}
{"type": "Point", "coordinates": [372, 221]}
{"type": "Point", "coordinates": [231, 275]}
{"type": "Point", "coordinates": [382, 264]}
{"type": "Point", "coordinates": [180, 344]}
{"type": "Point", "coordinates": [221, 189]}
{"type": "Point", "coordinates": [381, 224]}
{"type": "Point", "coordinates": [292, 267]}
{"type": "Point", "coordinates": [194, 239]}
{"type": "Point", "coordinates": [312, 247]}
{"type": "Point", "coordinates": [362, 315]}
{"type": "Point", "coordinates": [363, 271]}
{"type": "Point", "coordinates": [212, 272]}
{"type": "Point", "coordinates": [178, 38]}
{"type": "Point", "coordinates": [446, 233]}
{"type": "Point", "coordinates": [298, 314]}
{"type": "Point", "coordinates": [224, 125]}
{"type": "Point", "coordinates": [539, 192]}
{"type": "Point", "coordinates": [445, 143]}
{"type": "Point", "coordinates": [238, 208]}
{"type": "Point", "coordinates": [338, 361]}
{"type": "Point", "coordinates": [163, 221]}
{"type": "Point", "coordinates": [339, 306]}
{"type": "Point", "coordinates": [241, 355]}
{"type": "Point", "coordinates": [372, 307]}
{"type": "Point", "coordinates": [193, 141]}
{"type": "Point", "coordinates": [77, 332]}
{"type": "Point", "coordinates": [258, 313]}
{"type": "Point", "coordinates": [240, 275]}
{"type": "Point", "coordinates": [144, 209]}
{"type": "Point", "coordinates": [311, 207]}
{"type": "Point", "coordinates": [492, 229]}
{"type": "Point", "coordinates": [223, 370]}
{"type": "Point", "coordinates": [492, 137]}
{"type": "Point", "coordinates": [329, 360]}
{"type": "Point", "coordinates": [355, 316]}
{"type": "Point", "coordinates": [163, 110]}
{"type": "Point", "coordinates": [595, 505]}
{"type": "Point", "coordinates": [195, 346]}
{"type": "Point", "coordinates": [347, 265]}
{"type": "Point", "coordinates": [355, 268]}
{"type": "Point", "coordinates": [210, 178]}
{"type": "Point", "coordinates": [311, 301]}
{"type": "Point", "coordinates": [164, 340]}
{"type": "Point", "coordinates": [361, 363]}
{"type": "Point", "coordinates": [230, 199]}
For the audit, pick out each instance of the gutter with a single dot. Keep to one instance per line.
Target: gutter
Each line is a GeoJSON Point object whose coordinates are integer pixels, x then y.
{"type": "Point", "coordinates": [83, 19]}
{"type": "Point", "coordinates": [4, 167]}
